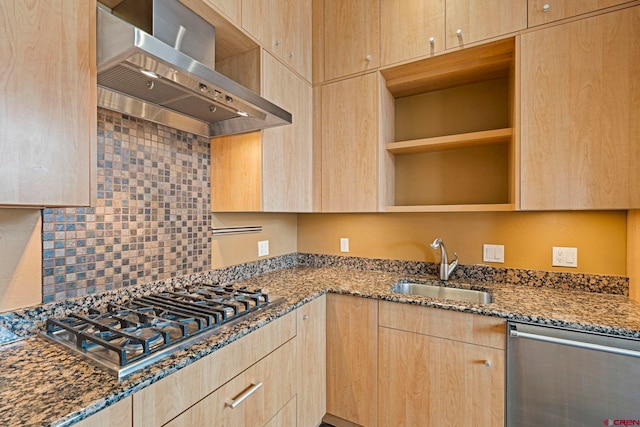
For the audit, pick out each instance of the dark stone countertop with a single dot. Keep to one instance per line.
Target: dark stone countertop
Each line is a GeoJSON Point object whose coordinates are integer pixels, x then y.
{"type": "Point", "coordinates": [43, 384]}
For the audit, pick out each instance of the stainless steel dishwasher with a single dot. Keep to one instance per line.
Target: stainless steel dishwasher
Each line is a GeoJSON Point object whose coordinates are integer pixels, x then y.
{"type": "Point", "coordinates": [560, 377]}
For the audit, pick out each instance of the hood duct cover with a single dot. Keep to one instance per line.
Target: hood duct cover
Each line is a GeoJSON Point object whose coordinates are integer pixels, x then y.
{"type": "Point", "coordinates": [141, 75]}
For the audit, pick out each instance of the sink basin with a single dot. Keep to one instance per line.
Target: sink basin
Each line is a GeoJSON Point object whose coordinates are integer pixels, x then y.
{"type": "Point", "coordinates": [435, 291]}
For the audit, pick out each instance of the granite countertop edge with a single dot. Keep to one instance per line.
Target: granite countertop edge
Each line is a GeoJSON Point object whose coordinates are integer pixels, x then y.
{"type": "Point", "coordinates": [300, 285]}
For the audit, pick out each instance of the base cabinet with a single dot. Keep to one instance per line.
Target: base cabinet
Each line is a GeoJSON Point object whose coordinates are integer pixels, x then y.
{"type": "Point", "coordinates": [312, 375]}
{"type": "Point", "coordinates": [439, 368]}
{"type": "Point", "coordinates": [352, 345]}
{"type": "Point", "coordinates": [118, 415]}
{"type": "Point", "coordinates": [429, 381]}
{"type": "Point", "coordinates": [226, 374]}
{"type": "Point", "coordinates": [250, 399]}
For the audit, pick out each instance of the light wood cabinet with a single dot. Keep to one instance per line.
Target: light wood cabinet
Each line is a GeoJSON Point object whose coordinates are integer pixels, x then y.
{"type": "Point", "coordinates": [282, 27]}
{"type": "Point", "coordinates": [287, 151]}
{"type": "Point", "coordinates": [440, 368]}
{"type": "Point", "coordinates": [230, 8]}
{"type": "Point", "coordinates": [165, 400]}
{"type": "Point", "coordinates": [429, 381]}
{"type": "Point", "coordinates": [352, 343]}
{"type": "Point", "coordinates": [271, 170]}
{"type": "Point", "coordinates": [250, 399]}
{"type": "Point", "coordinates": [580, 127]}
{"type": "Point", "coordinates": [351, 37]}
{"type": "Point", "coordinates": [117, 415]}
{"type": "Point", "coordinates": [352, 180]}
{"type": "Point", "coordinates": [47, 103]}
{"type": "Point", "coordinates": [454, 138]}
{"type": "Point", "coordinates": [545, 11]}
{"type": "Point", "coordinates": [410, 29]}
{"type": "Point", "coordinates": [469, 21]}
{"type": "Point", "coordinates": [286, 417]}
{"type": "Point", "coordinates": [311, 362]}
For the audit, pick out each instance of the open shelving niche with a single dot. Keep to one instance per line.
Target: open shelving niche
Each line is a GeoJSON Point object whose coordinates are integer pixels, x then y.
{"type": "Point", "coordinates": [452, 131]}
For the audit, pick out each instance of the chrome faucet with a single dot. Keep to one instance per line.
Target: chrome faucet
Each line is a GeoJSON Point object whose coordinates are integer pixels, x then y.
{"type": "Point", "coordinates": [445, 268]}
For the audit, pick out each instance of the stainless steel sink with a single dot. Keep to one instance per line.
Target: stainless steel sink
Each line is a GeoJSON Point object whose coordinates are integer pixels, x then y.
{"type": "Point", "coordinates": [442, 292]}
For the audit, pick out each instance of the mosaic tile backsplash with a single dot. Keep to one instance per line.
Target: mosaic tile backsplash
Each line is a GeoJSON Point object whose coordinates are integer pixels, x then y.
{"type": "Point", "coordinates": [152, 216]}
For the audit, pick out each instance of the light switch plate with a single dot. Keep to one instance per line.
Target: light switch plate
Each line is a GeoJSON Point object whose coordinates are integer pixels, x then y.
{"type": "Point", "coordinates": [344, 244]}
{"type": "Point", "coordinates": [493, 253]}
{"type": "Point", "coordinates": [565, 257]}
{"type": "Point", "coordinates": [263, 248]}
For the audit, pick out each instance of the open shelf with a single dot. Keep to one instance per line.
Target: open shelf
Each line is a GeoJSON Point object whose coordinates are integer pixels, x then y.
{"type": "Point", "coordinates": [452, 139]}
{"type": "Point", "coordinates": [450, 142]}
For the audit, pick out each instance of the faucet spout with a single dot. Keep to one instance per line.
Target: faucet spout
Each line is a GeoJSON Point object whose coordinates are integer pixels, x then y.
{"type": "Point", "coordinates": [445, 268]}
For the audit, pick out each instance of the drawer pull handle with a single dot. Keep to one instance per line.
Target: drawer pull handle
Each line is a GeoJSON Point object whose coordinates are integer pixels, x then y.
{"type": "Point", "coordinates": [233, 403]}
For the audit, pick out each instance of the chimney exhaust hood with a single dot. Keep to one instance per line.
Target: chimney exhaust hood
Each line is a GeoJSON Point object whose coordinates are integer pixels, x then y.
{"type": "Point", "coordinates": [162, 69]}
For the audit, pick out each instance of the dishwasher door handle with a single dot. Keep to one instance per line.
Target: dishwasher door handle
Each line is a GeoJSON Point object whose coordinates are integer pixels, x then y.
{"type": "Point", "coordinates": [514, 333]}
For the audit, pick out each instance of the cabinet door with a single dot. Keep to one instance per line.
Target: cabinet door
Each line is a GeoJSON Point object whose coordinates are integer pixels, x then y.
{"type": "Point", "coordinates": [470, 21]}
{"type": "Point", "coordinates": [579, 114]}
{"type": "Point", "coordinates": [297, 40]}
{"type": "Point", "coordinates": [545, 11]}
{"type": "Point", "coordinates": [231, 8]}
{"type": "Point", "coordinates": [430, 381]}
{"type": "Point", "coordinates": [287, 151]}
{"type": "Point", "coordinates": [350, 145]}
{"type": "Point", "coordinates": [312, 362]}
{"type": "Point", "coordinates": [117, 415]}
{"type": "Point", "coordinates": [283, 27]}
{"type": "Point", "coordinates": [250, 399]}
{"type": "Point", "coordinates": [352, 342]}
{"type": "Point", "coordinates": [410, 28]}
{"type": "Point", "coordinates": [47, 102]}
{"type": "Point", "coordinates": [351, 37]}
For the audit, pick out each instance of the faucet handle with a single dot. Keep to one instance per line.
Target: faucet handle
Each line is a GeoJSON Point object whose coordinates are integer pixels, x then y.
{"type": "Point", "coordinates": [436, 243]}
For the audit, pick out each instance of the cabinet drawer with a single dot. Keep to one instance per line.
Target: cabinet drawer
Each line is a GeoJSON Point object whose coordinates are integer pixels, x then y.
{"type": "Point", "coordinates": [470, 328]}
{"type": "Point", "coordinates": [286, 417]}
{"type": "Point", "coordinates": [164, 400]}
{"type": "Point", "coordinates": [545, 11]}
{"type": "Point", "coordinates": [250, 399]}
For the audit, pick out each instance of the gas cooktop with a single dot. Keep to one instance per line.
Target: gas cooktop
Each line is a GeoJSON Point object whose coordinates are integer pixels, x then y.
{"type": "Point", "coordinates": [127, 337]}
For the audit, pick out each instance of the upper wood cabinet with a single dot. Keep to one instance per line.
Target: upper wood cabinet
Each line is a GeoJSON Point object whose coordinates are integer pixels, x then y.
{"type": "Point", "coordinates": [351, 37]}
{"type": "Point", "coordinates": [410, 29]}
{"type": "Point", "coordinates": [47, 102]}
{"type": "Point", "coordinates": [269, 170]}
{"type": "Point", "coordinates": [469, 21]}
{"type": "Point", "coordinates": [580, 110]}
{"type": "Point", "coordinates": [545, 11]}
{"type": "Point", "coordinates": [283, 27]}
{"type": "Point", "coordinates": [230, 8]}
{"type": "Point", "coordinates": [352, 180]}
{"type": "Point", "coordinates": [287, 151]}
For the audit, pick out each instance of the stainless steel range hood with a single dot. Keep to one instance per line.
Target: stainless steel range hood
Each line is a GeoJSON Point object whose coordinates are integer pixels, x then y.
{"type": "Point", "coordinates": [148, 74]}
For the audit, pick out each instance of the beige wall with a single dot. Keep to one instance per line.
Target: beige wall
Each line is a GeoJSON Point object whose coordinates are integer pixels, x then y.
{"type": "Point", "coordinates": [527, 236]}
{"type": "Point", "coordinates": [279, 229]}
{"type": "Point", "coordinates": [21, 258]}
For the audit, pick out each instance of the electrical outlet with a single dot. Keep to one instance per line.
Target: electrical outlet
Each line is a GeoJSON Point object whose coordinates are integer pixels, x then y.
{"type": "Point", "coordinates": [344, 244]}
{"type": "Point", "coordinates": [263, 248]}
{"type": "Point", "coordinates": [565, 257]}
{"type": "Point", "coordinates": [493, 253]}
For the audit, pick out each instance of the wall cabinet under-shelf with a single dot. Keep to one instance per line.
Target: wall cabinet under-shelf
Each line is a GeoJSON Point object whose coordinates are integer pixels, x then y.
{"type": "Point", "coordinates": [454, 126]}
